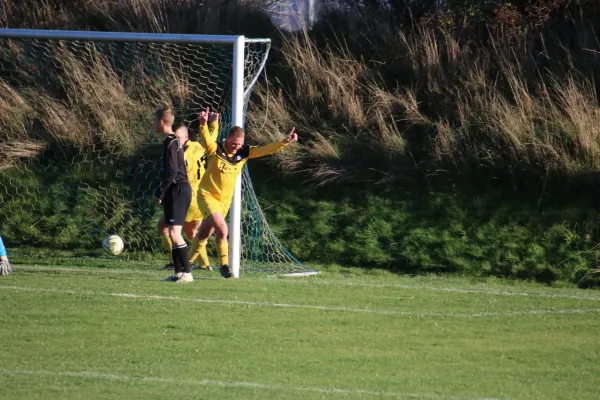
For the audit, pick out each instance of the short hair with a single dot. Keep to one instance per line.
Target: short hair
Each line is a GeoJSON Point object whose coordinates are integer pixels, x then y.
{"type": "Point", "coordinates": [178, 125]}
{"type": "Point", "coordinates": [182, 128]}
{"type": "Point", "coordinates": [236, 131]}
{"type": "Point", "coordinates": [165, 113]}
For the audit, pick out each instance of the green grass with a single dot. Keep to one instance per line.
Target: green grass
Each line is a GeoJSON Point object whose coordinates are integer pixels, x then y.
{"type": "Point", "coordinates": [118, 332]}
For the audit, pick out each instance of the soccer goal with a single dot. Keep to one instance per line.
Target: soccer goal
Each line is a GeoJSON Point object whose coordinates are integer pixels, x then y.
{"type": "Point", "coordinates": [79, 159]}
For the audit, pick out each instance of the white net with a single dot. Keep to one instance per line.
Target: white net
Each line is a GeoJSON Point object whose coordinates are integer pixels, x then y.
{"type": "Point", "coordinates": [78, 159]}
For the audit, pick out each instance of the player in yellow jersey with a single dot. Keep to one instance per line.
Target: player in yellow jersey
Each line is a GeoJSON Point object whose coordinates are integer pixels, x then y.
{"type": "Point", "coordinates": [195, 161]}
{"type": "Point", "coordinates": [225, 163]}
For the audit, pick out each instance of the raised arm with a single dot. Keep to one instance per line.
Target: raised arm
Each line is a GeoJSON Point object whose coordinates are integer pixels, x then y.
{"type": "Point", "coordinates": [256, 152]}
{"type": "Point", "coordinates": [213, 126]}
{"type": "Point", "coordinates": [209, 137]}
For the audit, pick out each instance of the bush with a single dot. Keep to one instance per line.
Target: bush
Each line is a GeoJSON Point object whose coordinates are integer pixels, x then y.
{"type": "Point", "coordinates": [459, 230]}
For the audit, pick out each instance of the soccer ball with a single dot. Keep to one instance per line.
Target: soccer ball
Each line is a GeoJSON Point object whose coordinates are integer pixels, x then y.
{"type": "Point", "coordinates": [113, 245]}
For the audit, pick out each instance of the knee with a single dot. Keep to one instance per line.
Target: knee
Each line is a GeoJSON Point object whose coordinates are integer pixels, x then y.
{"type": "Point", "coordinates": [221, 232]}
{"type": "Point", "coordinates": [174, 232]}
{"type": "Point", "coordinates": [203, 231]}
{"type": "Point", "coordinates": [192, 233]}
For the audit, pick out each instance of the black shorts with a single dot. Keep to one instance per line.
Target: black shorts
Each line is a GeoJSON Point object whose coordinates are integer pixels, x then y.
{"type": "Point", "coordinates": [176, 202]}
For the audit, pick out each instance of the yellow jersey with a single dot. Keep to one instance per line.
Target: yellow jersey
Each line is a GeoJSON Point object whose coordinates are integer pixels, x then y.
{"type": "Point", "coordinates": [223, 169]}
{"type": "Point", "coordinates": [194, 162]}
{"type": "Point", "coordinates": [195, 157]}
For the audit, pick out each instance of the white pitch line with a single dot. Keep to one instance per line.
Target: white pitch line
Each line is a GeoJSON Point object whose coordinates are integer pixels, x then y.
{"type": "Point", "coordinates": [236, 384]}
{"type": "Point", "coordinates": [491, 292]}
{"type": "Point", "coordinates": [321, 281]}
{"type": "Point", "coordinates": [482, 291]}
{"type": "Point", "coordinates": [421, 314]}
{"type": "Point", "coordinates": [115, 271]}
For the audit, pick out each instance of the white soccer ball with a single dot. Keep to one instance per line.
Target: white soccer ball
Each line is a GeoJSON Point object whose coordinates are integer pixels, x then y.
{"type": "Point", "coordinates": [113, 245]}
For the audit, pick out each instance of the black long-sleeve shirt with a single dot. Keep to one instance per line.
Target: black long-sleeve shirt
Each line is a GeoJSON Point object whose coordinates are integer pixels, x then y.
{"type": "Point", "coordinates": [172, 169]}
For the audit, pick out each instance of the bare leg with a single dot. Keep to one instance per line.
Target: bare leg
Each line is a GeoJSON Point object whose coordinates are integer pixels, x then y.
{"type": "Point", "coordinates": [191, 228]}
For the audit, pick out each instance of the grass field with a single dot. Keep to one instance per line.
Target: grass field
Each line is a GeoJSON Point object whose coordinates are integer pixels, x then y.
{"type": "Point", "coordinates": [107, 333]}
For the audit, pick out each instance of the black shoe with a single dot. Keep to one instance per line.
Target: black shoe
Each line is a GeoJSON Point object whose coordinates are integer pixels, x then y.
{"type": "Point", "coordinates": [168, 266]}
{"type": "Point", "coordinates": [225, 271]}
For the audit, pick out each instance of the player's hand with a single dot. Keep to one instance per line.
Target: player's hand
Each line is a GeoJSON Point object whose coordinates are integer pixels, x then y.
{"type": "Point", "coordinates": [203, 116]}
{"type": "Point", "coordinates": [292, 137]}
{"type": "Point", "coordinates": [157, 200]}
{"type": "Point", "coordinates": [213, 117]}
{"type": "Point", "coordinates": [5, 268]}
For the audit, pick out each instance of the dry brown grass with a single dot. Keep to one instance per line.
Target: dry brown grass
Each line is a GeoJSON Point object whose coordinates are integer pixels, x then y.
{"type": "Point", "coordinates": [16, 117]}
{"type": "Point", "coordinates": [339, 109]}
{"type": "Point", "coordinates": [171, 85]}
{"type": "Point", "coordinates": [97, 98]}
{"type": "Point", "coordinates": [78, 99]}
{"type": "Point", "coordinates": [13, 152]}
{"type": "Point", "coordinates": [574, 109]}
{"type": "Point", "coordinates": [84, 104]}
{"type": "Point", "coordinates": [89, 105]}
{"type": "Point", "coordinates": [422, 99]}
{"type": "Point", "coordinates": [14, 111]}
{"type": "Point", "coordinates": [467, 105]}
{"type": "Point", "coordinates": [66, 126]}
{"type": "Point", "coordinates": [325, 79]}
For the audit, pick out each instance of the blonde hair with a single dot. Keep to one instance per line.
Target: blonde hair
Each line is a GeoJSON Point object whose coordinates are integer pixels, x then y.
{"type": "Point", "coordinates": [236, 131]}
{"type": "Point", "coordinates": [165, 113]}
{"type": "Point", "coordinates": [183, 129]}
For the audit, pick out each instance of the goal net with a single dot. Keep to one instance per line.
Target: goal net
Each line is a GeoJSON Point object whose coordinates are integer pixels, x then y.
{"type": "Point", "coordinates": [78, 158]}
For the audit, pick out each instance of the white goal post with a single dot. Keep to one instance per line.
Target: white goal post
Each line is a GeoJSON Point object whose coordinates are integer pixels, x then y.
{"type": "Point", "coordinates": [241, 87]}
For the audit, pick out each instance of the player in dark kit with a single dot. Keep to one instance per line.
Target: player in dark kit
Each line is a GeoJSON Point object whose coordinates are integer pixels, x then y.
{"type": "Point", "coordinates": [174, 193]}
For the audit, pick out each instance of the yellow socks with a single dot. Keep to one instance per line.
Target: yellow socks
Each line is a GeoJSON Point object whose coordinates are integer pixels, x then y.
{"type": "Point", "coordinates": [198, 250]}
{"type": "Point", "coordinates": [168, 246]}
{"type": "Point", "coordinates": [193, 251]}
{"type": "Point", "coordinates": [203, 255]}
{"type": "Point", "coordinates": [223, 252]}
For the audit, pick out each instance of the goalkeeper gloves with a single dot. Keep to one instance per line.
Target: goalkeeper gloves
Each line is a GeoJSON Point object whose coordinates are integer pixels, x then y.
{"type": "Point", "coordinates": [5, 268]}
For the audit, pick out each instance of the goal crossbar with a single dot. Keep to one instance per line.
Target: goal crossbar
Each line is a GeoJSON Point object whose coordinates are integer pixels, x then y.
{"type": "Point", "coordinates": [119, 36]}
